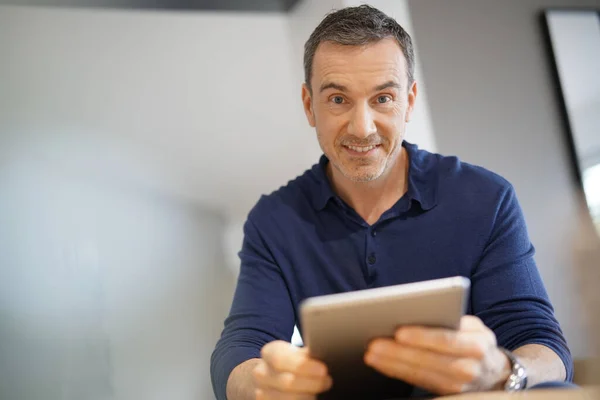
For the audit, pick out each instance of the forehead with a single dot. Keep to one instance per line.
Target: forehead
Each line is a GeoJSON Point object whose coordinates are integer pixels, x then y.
{"type": "Point", "coordinates": [358, 65]}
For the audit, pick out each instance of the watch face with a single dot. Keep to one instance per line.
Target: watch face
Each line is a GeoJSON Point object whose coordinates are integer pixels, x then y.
{"type": "Point", "coordinates": [518, 377]}
{"type": "Point", "coordinates": [516, 380]}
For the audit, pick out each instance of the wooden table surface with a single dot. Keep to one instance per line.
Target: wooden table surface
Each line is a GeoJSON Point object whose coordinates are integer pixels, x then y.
{"type": "Point", "coordinates": [588, 393]}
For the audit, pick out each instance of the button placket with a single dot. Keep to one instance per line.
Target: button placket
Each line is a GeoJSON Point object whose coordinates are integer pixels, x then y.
{"type": "Point", "coordinates": [371, 254]}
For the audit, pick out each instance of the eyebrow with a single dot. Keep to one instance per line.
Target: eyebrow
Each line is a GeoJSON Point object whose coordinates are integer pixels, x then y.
{"type": "Point", "coordinates": [333, 85]}
{"type": "Point", "coordinates": [342, 88]}
{"type": "Point", "coordinates": [388, 84]}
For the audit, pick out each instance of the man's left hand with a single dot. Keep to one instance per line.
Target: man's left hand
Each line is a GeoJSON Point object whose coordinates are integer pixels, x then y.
{"type": "Point", "coordinates": [442, 361]}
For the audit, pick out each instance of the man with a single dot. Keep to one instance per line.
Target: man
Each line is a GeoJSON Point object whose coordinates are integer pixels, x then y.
{"type": "Point", "coordinates": [377, 211]}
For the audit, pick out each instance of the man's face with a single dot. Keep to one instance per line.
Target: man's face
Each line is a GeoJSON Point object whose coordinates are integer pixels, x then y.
{"type": "Point", "coordinates": [360, 104]}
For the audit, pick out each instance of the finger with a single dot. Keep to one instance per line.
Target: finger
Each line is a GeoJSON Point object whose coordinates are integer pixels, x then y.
{"type": "Point", "coordinates": [456, 343]}
{"type": "Point", "coordinates": [471, 323]}
{"type": "Point", "coordinates": [268, 394]}
{"type": "Point", "coordinates": [285, 357]}
{"type": "Point", "coordinates": [287, 382]}
{"type": "Point", "coordinates": [463, 369]}
{"type": "Point", "coordinates": [426, 379]}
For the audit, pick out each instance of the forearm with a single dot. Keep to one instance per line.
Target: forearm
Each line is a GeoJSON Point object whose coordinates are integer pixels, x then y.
{"type": "Point", "coordinates": [542, 364]}
{"type": "Point", "coordinates": [240, 384]}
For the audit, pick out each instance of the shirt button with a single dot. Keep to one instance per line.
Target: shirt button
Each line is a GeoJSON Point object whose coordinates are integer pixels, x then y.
{"type": "Point", "coordinates": [372, 259]}
{"type": "Point", "coordinates": [373, 233]}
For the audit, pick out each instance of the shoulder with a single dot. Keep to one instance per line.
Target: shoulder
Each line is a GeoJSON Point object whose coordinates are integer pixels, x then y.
{"type": "Point", "coordinates": [291, 199]}
{"type": "Point", "coordinates": [459, 185]}
{"type": "Point", "coordinates": [465, 175]}
{"type": "Point", "coordinates": [465, 181]}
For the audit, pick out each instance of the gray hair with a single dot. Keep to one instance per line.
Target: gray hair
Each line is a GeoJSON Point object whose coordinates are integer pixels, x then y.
{"type": "Point", "coordinates": [358, 26]}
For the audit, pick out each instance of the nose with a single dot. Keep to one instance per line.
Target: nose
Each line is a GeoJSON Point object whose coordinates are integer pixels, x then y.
{"type": "Point", "coordinates": [361, 122]}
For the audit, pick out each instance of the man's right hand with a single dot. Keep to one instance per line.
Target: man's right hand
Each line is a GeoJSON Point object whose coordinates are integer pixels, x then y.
{"type": "Point", "coordinates": [286, 372]}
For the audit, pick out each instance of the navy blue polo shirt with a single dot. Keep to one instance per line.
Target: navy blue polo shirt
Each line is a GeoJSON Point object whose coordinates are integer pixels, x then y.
{"type": "Point", "coordinates": [455, 219]}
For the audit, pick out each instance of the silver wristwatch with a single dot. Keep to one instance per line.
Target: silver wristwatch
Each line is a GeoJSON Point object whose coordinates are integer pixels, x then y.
{"type": "Point", "coordinates": [518, 375]}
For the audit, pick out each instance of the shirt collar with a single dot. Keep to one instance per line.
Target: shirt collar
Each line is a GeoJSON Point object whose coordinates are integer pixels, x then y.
{"type": "Point", "coordinates": [422, 180]}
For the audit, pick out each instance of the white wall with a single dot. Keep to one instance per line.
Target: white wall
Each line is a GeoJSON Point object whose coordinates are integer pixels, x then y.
{"type": "Point", "coordinates": [112, 125]}
{"type": "Point", "coordinates": [108, 290]}
{"type": "Point", "coordinates": [210, 95]}
{"type": "Point", "coordinates": [493, 103]}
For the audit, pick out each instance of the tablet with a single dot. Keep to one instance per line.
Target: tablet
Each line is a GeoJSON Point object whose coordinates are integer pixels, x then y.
{"type": "Point", "coordinates": [337, 328]}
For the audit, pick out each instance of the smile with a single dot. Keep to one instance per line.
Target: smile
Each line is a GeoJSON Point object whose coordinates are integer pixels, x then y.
{"type": "Point", "coordinates": [361, 149]}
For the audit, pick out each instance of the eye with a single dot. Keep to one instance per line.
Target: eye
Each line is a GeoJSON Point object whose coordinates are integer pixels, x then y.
{"type": "Point", "coordinates": [337, 99]}
{"type": "Point", "coordinates": [384, 99]}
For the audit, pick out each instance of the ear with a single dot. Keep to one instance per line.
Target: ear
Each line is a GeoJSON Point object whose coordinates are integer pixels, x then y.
{"type": "Point", "coordinates": [412, 97]}
{"type": "Point", "coordinates": [308, 105]}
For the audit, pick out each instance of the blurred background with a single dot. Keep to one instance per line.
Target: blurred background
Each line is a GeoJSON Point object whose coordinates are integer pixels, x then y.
{"type": "Point", "coordinates": [135, 136]}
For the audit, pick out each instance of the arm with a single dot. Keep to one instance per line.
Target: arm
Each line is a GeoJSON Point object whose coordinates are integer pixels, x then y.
{"type": "Point", "coordinates": [261, 312]}
{"type": "Point", "coordinates": [509, 296]}
{"type": "Point", "coordinates": [240, 385]}
{"type": "Point", "coordinates": [542, 364]}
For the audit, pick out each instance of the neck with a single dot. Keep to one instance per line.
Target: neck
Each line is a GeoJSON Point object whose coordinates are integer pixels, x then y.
{"type": "Point", "coordinates": [371, 199]}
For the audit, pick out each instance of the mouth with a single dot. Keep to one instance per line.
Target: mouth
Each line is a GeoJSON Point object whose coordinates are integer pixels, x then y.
{"type": "Point", "coordinates": [361, 151]}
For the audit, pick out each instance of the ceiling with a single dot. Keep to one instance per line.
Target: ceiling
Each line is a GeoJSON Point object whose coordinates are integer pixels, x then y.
{"type": "Point", "coordinates": [188, 5]}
